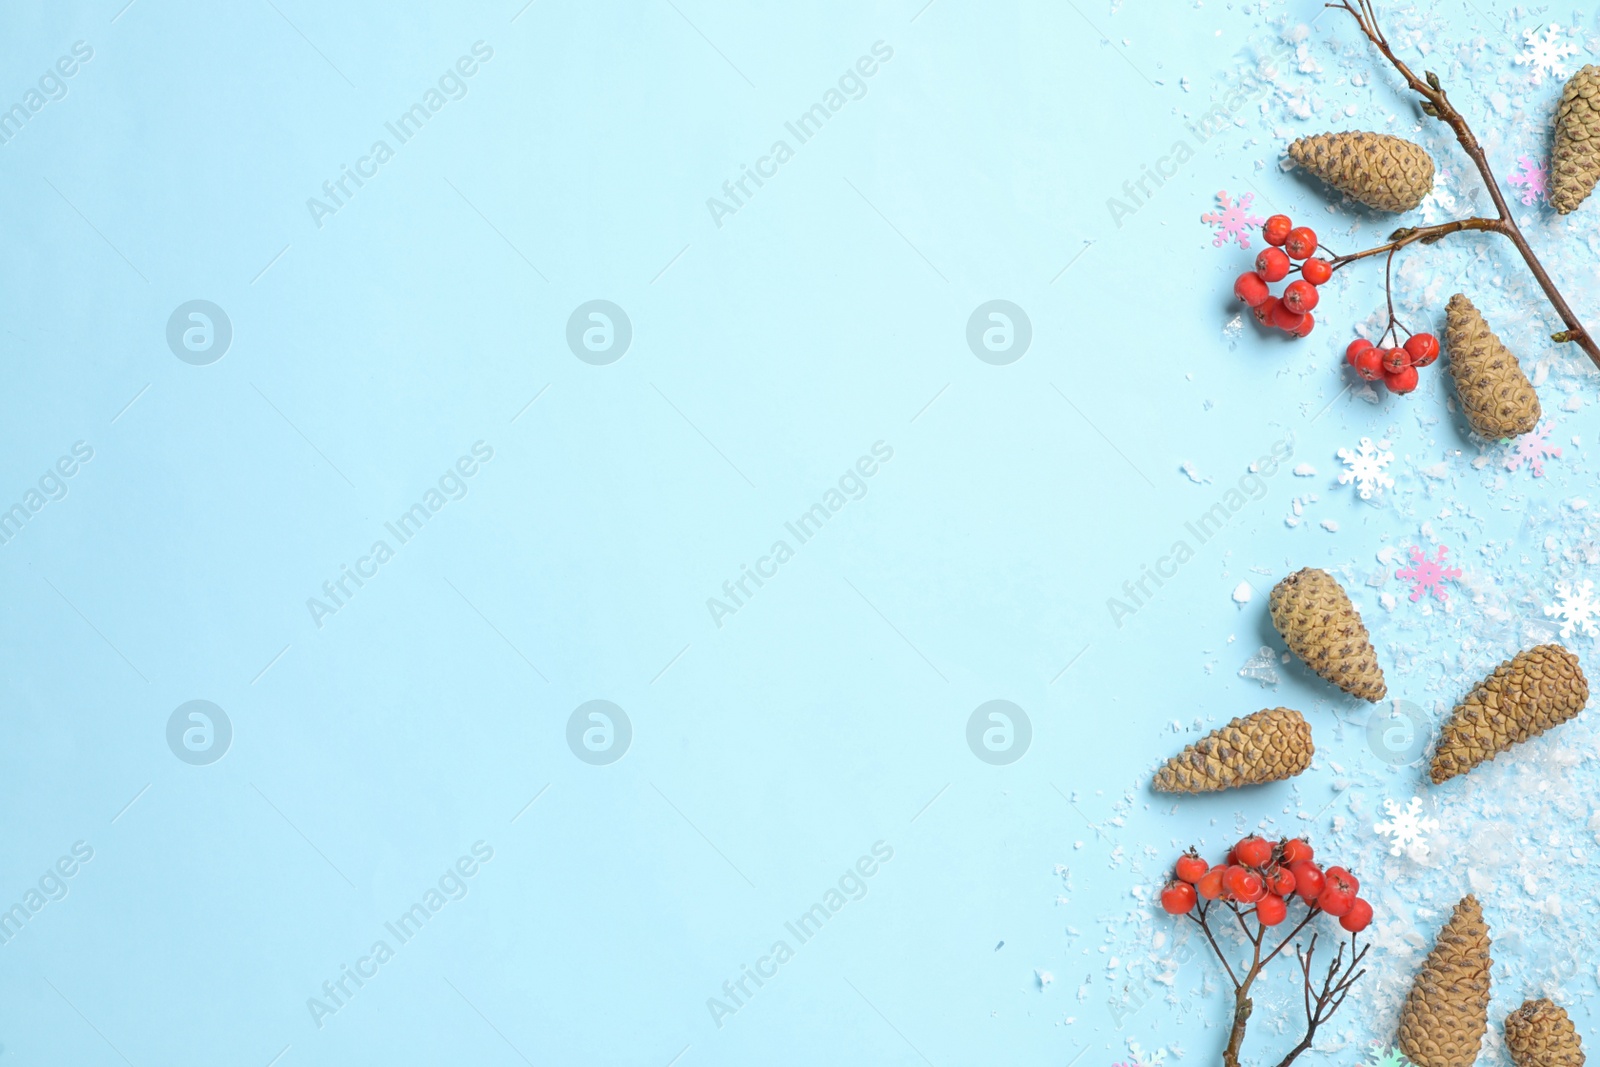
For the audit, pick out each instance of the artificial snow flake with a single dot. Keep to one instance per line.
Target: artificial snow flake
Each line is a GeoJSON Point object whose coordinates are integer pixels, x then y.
{"type": "Point", "coordinates": [1364, 467]}
{"type": "Point", "coordinates": [1234, 221]}
{"type": "Point", "coordinates": [1440, 203]}
{"type": "Point", "coordinates": [1532, 177]}
{"type": "Point", "coordinates": [1428, 575]}
{"type": "Point", "coordinates": [1533, 449]}
{"type": "Point", "coordinates": [1577, 609]}
{"type": "Point", "coordinates": [1382, 1057]}
{"type": "Point", "coordinates": [1546, 54]}
{"type": "Point", "coordinates": [1407, 828]}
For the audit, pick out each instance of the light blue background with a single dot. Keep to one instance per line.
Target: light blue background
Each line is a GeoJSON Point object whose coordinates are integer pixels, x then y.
{"type": "Point", "coordinates": [768, 354]}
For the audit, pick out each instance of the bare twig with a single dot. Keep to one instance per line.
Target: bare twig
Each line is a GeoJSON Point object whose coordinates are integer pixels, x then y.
{"type": "Point", "coordinates": [1436, 104]}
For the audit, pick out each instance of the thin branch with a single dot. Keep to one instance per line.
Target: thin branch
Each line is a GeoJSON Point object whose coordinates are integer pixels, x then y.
{"type": "Point", "coordinates": [1436, 104]}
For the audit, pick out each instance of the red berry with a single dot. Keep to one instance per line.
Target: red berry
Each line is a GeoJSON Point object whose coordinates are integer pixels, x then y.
{"type": "Point", "coordinates": [1369, 364]}
{"type": "Point", "coordinates": [1338, 894]}
{"type": "Point", "coordinates": [1285, 318]}
{"type": "Point", "coordinates": [1358, 346]}
{"type": "Point", "coordinates": [1306, 323]}
{"type": "Point", "coordinates": [1272, 264]}
{"type": "Point", "coordinates": [1335, 902]}
{"type": "Point", "coordinates": [1356, 919]}
{"type": "Point", "coordinates": [1190, 867]}
{"type": "Point", "coordinates": [1251, 288]}
{"type": "Point", "coordinates": [1301, 242]}
{"type": "Point", "coordinates": [1276, 229]}
{"type": "Point", "coordinates": [1263, 313]}
{"type": "Point", "coordinates": [1342, 875]}
{"type": "Point", "coordinates": [1402, 382]}
{"type": "Point", "coordinates": [1424, 349]}
{"type": "Point", "coordinates": [1296, 849]}
{"type": "Point", "coordinates": [1210, 884]}
{"type": "Point", "coordinates": [1300, 295]}
{"type": "Point", "coordinates": [1316, 271]}
{"type": "Point", "coordinates": [1253, 851]}
{"type": "Point", "coordinates": [1244, 885]}
{"type": "Point", "coordinates": [1281, 881]}
{"type": "Point", "coordinates": [1308, 880]}
{"type": "Point", "coordinates": [1178, 898]}
{"type": "Point", "coordinates": [1271, 910]}
{"type": "Point", "coordinates": [1395, 360]}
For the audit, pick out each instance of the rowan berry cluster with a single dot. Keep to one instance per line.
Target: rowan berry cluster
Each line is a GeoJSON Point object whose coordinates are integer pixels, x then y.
{"type": "Point", "coordinates": [1290, 312]}
{"type": "Point", "coordinates": [1268, 877]}
{"type": "Point", "coordinates": [1396, 367]}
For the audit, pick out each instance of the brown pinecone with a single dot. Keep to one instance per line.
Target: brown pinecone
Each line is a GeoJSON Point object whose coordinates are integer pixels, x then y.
{"type": "Point", "coordinates": [1496, 396]}
{"type": "Point", "coordinates": [1383, 172]}
{"type": "Point", "coordinates": [1539, 1034]}
{"type": "Point", "coordinates": [1575, 160]}
{"type": "Point", "coordinates": [1525, 696]}
{"type": "Point", "coordinates": [1447, 1011]}
{"type": "Point", "coordinates": [1322, 627]}
{"type": "Point", "coordinates": [1269, 746]}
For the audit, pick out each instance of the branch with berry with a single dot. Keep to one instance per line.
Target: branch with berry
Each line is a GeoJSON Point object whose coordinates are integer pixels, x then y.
{"type": "Point", "coordinates": [1259, 882]}
{"type": "Point", "coordinates": [1391, 174]}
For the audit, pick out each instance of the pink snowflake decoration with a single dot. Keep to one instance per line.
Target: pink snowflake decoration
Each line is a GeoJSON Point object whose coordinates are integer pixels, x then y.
{"type": "Point", "coordinates": [1533, 449]}
{"type": "Point", "coordinates": [1531, 176]}
{"type": "Point", "coordinates": [1428, 575]}
{"type": "Point", "coordinates": [1234, 221]}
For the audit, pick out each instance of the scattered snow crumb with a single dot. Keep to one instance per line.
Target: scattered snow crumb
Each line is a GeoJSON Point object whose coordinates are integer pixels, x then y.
{"type": "Point", "coordinates": [1243, 593]}
{"type": "Point", "coordinates": [1305, 470]}
{"type": "Point", "coordinates": [1331, 525]}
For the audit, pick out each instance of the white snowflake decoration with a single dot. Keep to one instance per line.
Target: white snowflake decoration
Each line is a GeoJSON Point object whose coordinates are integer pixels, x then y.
{"type": "Point", "coordinates": [1364, 467]}
{"type": "Point", "coordinates": [1546, 54]}
{"type": "Point", "coordinates": [1408, 828]}
{"type": "Point", "coordinates": [1577, 609]}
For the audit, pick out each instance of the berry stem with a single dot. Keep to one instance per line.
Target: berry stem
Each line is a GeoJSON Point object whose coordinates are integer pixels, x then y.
{"type": "Point", "coordinates": [1437, 105]}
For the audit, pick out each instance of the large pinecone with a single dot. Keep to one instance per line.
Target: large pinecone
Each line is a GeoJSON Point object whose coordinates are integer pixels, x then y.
{"type": "Point", "coordinates": [1496, 396]}
{"type": "Point", "coordinates": [1384, 172]}
{"type": "Point", "coordinates": [1269, 746]}
{"type": "Point", "coordinates": [1322, 627]}
{"type": "Point", "coordinates": [1525, 696]}
{"type": "Point", "coordinates": [1539, 1034]}
{"type": "Point", "coordinates": [1575, 160]}
{"type": "Point", "coordinates": [1447, 1011]}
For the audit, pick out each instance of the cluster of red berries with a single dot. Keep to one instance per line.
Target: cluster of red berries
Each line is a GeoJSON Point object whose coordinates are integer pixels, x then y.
{"type": "Point", "coordinates": [1290, 312]}
{"type": "Point", "coordinates": [1268, 876]}
{"type": "Point", "coordinates": [1397, 367]}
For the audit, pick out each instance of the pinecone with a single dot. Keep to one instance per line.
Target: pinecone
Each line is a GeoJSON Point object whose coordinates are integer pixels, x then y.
{"type": "Point", "coordinates": [1575, 160]}
{"type": "Point", "coordinates": [1269, 746]}
{"type": "Point", "coordinates": [1525, 696]}
{"type": "Point", "coordinates": [1383, 172]}
{"type": "Point", "coordinates": [1496, 396]}
{"type": "Point", "coordinates": [1447, 1011]}
{"type": "Point", "coordinates": [1322, 627]}
{"type": "Point", "coordinates": [1539, 1034]}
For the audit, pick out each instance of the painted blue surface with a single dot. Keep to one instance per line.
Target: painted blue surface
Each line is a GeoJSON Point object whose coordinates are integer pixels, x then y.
{"type": "Point", "coordinates": [409, 335]}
